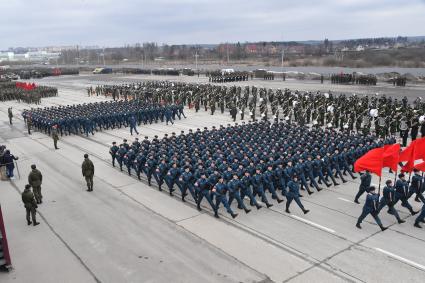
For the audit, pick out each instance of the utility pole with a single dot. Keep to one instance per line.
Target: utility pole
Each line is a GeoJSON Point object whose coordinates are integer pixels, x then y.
{"type": "Point", "coordinates": [227, 51]}
{"type": "Point", "coordinates": [103, 55]}
{"type": "Point", "coordinates": [283, 55]}
{"type": "Point", "coordinates": [196, 60]}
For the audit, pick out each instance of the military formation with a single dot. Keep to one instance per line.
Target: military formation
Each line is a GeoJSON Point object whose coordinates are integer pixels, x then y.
{"type": "Point", "coordinates": [91, 117]}
{"type": "Point", "coordinates": [354, 78]}
{"type": "Point", "coordinates": [399, 81]}
{"type": "Point", "coordinates": [9, 91]}
{"type": "Point", "coordinates": [251, 159]}
{"type": "Point", "coordinates": [219, 77]}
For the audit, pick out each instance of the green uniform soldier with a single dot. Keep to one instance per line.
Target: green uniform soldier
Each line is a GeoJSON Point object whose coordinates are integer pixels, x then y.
{"type": "Point", "coordinates": [55, 136]}
{"type": "Point", "coordinates": [30, 205]}
{"type": "Point", "coordinates": [29, 124]}
{"type": "Point", "coordinates": [88, 171]}
{"type": "Point", "coordinates": [35, 179]}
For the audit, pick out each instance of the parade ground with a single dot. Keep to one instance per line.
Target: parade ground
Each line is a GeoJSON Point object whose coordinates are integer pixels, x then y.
{"type": "Point", "coordinates": [126, 231]}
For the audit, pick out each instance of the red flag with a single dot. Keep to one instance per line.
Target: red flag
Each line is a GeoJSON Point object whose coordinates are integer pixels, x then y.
{"type": "Point", "coordinates": [407, 153]}
{"type": "Point", "coordinates": [372, 161]}
{"type": "Point", "coordinates": [391, 155]}
{"type": "Point", "coordinates": [408, 167]}
{"type": "Point", "coordinates": [415, 151]}
{"type": "Point", "coordinates": [420, 149]}
{"type": "Point", "coordinates": [420, 166]}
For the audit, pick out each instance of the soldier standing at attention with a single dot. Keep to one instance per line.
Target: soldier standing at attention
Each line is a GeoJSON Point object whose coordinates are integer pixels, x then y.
{"type": "Point", "coordinates": [55, 136]}
{"type": "Point", "coordinates": [30, 205]}
{"type": "Point", "coordinates": [29, 123]}
{"type": "Point", "coordinates": [88, 171]}
{"type": "Point", "coordinates": [35, 179]}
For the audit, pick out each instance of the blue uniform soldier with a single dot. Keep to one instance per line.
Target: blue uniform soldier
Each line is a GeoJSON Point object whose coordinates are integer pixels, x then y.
{"type": "Point", "coordinates": [257, 181]}
{"type": "Point", "coordinates": [416, 186]}
{"type": "Point", "coordinates": [133, 123]}
{"type": "Point", "coordinates": [186, 183]}
{"type": "Point", "coordinates": [246, 189]}
{"type": "Point", "coordinates": [420, 218]}
{"type": "Point", "coordinates": [172, 177]}
{"type": "Point", "coordinates": [318, 165]}
{"type": "Point", "coordinates": [234, 193]}
{"type": "Point", "coordinates": [365, 181]}
{"type": "Point", "coordinates": [371, 207]}
{"type": "Point", "coordinates": [113, 152]}
{"type": "Point", "coordinates": [220, 190]}
{"type": "Point", "coordinates": [388, 200]}
{"type": "Point", "coordinates": [294, 194]}
{"type": "Point", "coordinates": [401, 192]}
{"type": "Point", "coordinates": [204, 189]}
{"type": "Point", "coordinates": [160, 174]}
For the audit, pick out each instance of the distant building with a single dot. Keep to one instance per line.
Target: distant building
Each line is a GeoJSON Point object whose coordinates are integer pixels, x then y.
{"type": "Point", "coordinates": [33, 56]}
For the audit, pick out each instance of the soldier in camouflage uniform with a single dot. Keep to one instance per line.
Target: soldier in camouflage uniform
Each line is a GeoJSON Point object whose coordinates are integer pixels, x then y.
{"type": "Point", "coordinates": [87, 169]}
{"type": "Point", "coordinates": [35, 178]}
{"type": "Point", "coordinates": [30, 205]}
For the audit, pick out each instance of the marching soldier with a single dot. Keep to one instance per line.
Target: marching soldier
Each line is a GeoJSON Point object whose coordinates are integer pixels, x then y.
{"type": "Point", "coordinates": [371, 207]}
{"type": "Point", "coordinates": [294, 194]}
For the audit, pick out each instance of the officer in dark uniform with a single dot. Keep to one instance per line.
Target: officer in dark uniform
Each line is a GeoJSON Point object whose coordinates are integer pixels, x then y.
{"type": "Point", "coordinates": [371, 207]}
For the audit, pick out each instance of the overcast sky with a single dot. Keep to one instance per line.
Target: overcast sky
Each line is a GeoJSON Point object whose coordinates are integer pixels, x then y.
{"type": "Point", "coordinates": [119, 22]}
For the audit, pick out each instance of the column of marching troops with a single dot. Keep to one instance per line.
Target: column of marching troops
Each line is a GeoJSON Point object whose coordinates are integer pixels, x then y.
{"type": "Point", "coordinates": [230, 178]}
{"type": "Point", "coordinates": [92, 117]}
{"type": "Point", "coordinates": [353, 79]}
{"type": "Point", "coordinates": [251, 159]}
{"type": "Point", "coordinates": [9, 91]}
{"type": "Point", "coordinates": [218, 77]}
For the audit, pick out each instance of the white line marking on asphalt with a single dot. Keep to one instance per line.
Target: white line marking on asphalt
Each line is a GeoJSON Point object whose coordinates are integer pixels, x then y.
{"type": "Point", "coordinates": [313, 224]}
{"type": "Point", "coordinates": [402, 259]}
{"type": "Point", "coordinates": [346, 200]}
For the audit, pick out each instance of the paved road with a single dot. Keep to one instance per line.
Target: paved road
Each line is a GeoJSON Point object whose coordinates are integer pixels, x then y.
{"type": "Point", "coordinates": [126, 231]}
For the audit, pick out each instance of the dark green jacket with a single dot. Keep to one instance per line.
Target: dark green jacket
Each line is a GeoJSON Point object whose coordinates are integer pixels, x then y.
{"type": "Point", "coordinates": [28, 199]}
{"type": "Point", "coordinates": [35, 178]}
{"type": "Point", "coordinates": [87, 168]}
